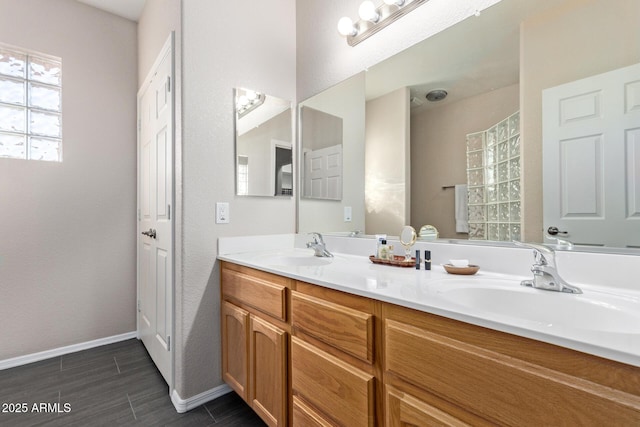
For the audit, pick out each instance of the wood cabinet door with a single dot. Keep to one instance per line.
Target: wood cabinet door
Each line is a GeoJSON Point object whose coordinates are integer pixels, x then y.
{"type": "Point", "coordinates": [268, 371]}
{"type": "Point", "coordinates": [403, 410]}
{"type": "Point", "coordinates": [235, 347]}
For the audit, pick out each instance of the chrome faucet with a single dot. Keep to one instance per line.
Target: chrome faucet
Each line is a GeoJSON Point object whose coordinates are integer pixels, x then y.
{"type": "Point", "coordinates": [545, 272]}
{"type": "Point", "coordinates": [318, 245]}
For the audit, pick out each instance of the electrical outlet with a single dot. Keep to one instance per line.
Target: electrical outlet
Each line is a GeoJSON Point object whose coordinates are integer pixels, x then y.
{"type": "Point", "coordinates": [222, 213]}
{"type": "Point", "coordinates": [347, 214]}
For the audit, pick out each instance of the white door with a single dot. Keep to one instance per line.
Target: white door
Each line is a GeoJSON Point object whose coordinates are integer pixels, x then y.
{"type": "Point", "coordinates": [155, 201]}
{"type": "Point", "coordinates": [591, 159]}
{"type": "Point", "coordinates": [323, 173]}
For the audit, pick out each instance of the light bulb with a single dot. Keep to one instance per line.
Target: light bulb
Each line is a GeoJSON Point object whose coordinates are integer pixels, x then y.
{"type": "Point", "coordinates": [368, 11]}
{"type": "Point", "coordinates": [396, 2]}
{"type": "Point", "coordinates": [345, 27]}
{"type": "Point", "coordinates": [243, 101]}
{"type": "Point", "coordinates": [251, 95]}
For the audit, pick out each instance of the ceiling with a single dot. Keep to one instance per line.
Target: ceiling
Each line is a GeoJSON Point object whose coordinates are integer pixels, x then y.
{"type": "Point", "coordinates": [130, 9]}
{"type": "Point", "coordinates": [474, 57]}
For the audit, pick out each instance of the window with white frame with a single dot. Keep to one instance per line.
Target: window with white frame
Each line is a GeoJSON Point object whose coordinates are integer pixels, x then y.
{"type": "Point", "coordinates": [243, 175]}
{"type": "Point", "coordinates": [30, 105]}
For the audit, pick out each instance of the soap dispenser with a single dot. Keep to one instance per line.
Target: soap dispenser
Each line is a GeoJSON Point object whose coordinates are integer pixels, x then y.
{"type": "Point", "coordinates": [383, 251]}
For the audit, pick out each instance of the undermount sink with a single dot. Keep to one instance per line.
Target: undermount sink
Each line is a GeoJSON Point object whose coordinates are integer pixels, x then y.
{"type": "Point", "coordinates": [299, 258]}
{"type": "Point", "coordinates": [592, 310]}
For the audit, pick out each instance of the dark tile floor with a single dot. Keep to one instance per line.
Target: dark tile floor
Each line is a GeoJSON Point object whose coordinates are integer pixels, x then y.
{"type": "Point", "coordinates": [116, 384]}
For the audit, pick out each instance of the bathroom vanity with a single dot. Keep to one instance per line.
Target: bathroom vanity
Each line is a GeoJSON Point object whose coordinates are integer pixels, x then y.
{"type": "Point", "coordinates": [302, 349]}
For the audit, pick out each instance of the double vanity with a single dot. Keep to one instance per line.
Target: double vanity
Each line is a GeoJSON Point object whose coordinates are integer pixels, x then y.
{"type": "Point", "coordinates": [339, 340]}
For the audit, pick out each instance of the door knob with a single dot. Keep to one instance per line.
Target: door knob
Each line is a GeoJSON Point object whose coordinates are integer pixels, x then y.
{"type": "Point", "coordinates": [554, 231]}
{"type": "Point", "coordinates": [151, 233]}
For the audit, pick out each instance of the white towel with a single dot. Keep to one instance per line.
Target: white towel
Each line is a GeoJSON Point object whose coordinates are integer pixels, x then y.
{"type": "Point", "coordinates": [462, 214]}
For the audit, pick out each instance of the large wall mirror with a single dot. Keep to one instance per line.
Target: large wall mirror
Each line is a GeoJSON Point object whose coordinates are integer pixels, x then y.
{"type": "Point", "coordinates": [264, 160]}
{"type": "Point", "coordinates": [495, 68]}
{"type": "Point", "coordinates": [332, 122]}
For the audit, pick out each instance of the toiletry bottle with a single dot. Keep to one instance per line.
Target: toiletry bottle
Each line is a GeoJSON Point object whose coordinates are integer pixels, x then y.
{"type": "Point", "coordinates": [379, 239]}
{"type": "Point", "coordinates": [427, 260]}
{"type": "Point", "coordinates": [390, 255]}
{"type": "Point", "coordinates": [383, 251]}
{"type": "Point", "coordinates": [418, 259]}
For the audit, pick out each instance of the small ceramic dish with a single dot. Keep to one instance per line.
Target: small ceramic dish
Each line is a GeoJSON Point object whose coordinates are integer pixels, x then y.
{"type": "Point", "coordinates": [468, 270]}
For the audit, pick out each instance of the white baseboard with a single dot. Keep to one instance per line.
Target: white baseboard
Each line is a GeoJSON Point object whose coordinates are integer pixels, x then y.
{"type": "Point", "coordinates": [48, 354]}
{"type": "Point", "coordinates": [183, 405]}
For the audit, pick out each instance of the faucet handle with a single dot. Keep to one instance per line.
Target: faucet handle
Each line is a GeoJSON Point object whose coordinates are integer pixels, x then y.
{"type": "Point", "coordinates": [317, 237]}
{"type": "Point", "coordinates": [561, 243]}
{"type": "Point", "coordinates": [544, 255]}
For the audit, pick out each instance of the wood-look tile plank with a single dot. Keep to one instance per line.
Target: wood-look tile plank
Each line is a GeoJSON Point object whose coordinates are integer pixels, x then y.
{"type": "Point", "coordinates": [156, 409]}
{"type": "Point", "coordinates": [231, 410]}
{"type": "Point", "coordinates": [35, 413]}
{"type": "Point", "coordinates": [33, 374]}
{"type": "Point", "coordinates": [106, 386]}
{"type": "Point", "coordinates": [120, 414]}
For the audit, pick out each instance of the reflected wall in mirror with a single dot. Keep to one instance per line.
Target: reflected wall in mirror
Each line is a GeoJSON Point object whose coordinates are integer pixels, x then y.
{"type": "Point", "coordinates": [264, 160]}
{"type": "Point", "coordinates": [321, 154]}
{"type": "Point", "coordinates": [493, 65]}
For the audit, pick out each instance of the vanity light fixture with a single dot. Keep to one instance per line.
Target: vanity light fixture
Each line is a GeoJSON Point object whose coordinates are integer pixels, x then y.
{"type": "Point", "coordinates": [373, 19]}
{"type": "Point", "coordinates": [248, 101]}
{"type": "Point", "coordinates": [368, 11]}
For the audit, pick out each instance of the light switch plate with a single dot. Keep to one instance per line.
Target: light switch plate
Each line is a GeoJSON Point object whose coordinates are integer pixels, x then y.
{"type": "Point", "coordinates": [347, 214]}
{"type": "Point", "coordinates": [222, 213]}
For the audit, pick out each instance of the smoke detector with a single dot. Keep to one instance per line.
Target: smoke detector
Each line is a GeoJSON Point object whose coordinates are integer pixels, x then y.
{"type": "Point", "coordinates": [416, 102]}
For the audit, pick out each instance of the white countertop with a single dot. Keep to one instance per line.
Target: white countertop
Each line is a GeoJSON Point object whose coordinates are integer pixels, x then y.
{"type": "Point", "coordinates": [547, 320]}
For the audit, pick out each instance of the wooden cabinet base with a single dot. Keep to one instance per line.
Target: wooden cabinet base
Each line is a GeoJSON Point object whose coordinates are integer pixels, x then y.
{"type": "Point", "coordinates": [312, 356]}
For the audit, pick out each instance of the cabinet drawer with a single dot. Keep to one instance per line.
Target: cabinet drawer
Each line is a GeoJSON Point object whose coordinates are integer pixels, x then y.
{"type": "Point", "coordinates": [405, 410]}
{"type": "Point", "coordinates": [342, 327]}
{"type": "Point", "coordinates": [339, 390]}
{"type": "Point", "coordinates": [303, 416]}
{"type": "Point", "coordinates": [267, 296]}
{"type": "Point", "coordinates": [500, 388]}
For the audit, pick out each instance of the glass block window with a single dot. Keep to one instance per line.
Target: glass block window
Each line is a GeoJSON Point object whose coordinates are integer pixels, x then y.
{"type": "Point", "coordinates": [243, 175]}
{"type": "Point", "coordinates": [493, 180]}
{"type": "Point", "coordinates": [30, 105]}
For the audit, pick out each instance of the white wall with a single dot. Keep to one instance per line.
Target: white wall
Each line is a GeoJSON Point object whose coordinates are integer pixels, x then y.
{"type": "Point", "coordinates": [158, 19]}
{"type": "Point", "coordinates": [244, 43]}
{"type": "Point", "coordinates": [68, 230]}
{"type": "Point", "coordinates": [387, 163]}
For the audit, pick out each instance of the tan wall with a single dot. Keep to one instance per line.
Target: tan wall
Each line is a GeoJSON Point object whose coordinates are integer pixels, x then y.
{"type": "Point", "coordinates": [438, 153]}
{"type": "Point", "coordinates": [68, 230]}
{"type": "Point", "coordinates": [319, 129]}
{"type": "Point", "coordinates": [583, 38]}
{"type": "Point", "coordinates": [387, 171]}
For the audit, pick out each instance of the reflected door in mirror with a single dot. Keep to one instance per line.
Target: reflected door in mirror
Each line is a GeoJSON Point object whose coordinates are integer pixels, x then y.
{"type": "Point", "coordinates": [591, 162]}
{"type": "Point", "coordinates": [322, 154]}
